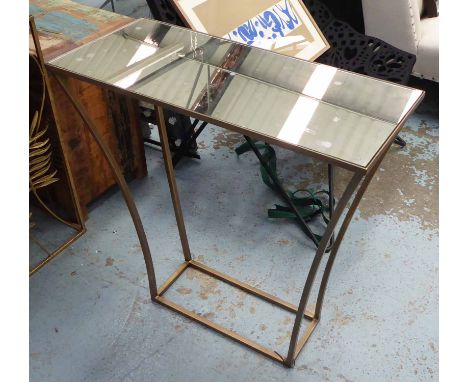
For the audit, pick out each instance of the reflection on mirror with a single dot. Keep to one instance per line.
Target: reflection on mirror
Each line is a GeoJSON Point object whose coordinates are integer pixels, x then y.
{"type": "Point", "coordinates": [318, 108]}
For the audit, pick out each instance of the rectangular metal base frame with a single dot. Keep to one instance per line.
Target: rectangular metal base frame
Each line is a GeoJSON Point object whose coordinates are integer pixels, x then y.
{"type": "Point", "coordinates": [246, 288]}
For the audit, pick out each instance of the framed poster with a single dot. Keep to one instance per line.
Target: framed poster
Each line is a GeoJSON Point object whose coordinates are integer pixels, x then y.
{"type": "Point", "coordinates": [283, 26]}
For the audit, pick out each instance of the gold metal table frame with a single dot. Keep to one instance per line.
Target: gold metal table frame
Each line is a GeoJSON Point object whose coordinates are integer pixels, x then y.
{"type": "Point", "coordinates": [357, 186]}
{"type": "Point", "coordinates": [352, 195]}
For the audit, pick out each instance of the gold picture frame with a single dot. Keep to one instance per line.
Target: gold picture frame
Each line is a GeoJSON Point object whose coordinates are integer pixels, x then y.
{"type": "Point", "coordinates": [282, 26]}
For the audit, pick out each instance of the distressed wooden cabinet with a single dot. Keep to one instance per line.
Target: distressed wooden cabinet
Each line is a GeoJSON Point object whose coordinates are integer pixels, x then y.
{"type": "Point", "coordinates": [62, 26]}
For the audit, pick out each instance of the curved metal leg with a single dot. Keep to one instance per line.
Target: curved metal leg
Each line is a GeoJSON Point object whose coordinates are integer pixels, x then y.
{"type": "Point", "coordinates": [339, 238]}
{"type": "Point", "coordinates": [352, 186]}
{"type": "Point", "coordinates": [121, 183]}
{"type": "Point", "coordinates": [293, 351]}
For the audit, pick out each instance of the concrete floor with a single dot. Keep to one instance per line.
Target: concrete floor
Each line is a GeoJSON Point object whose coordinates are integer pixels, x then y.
{"type": "Point", "coordinates": [91, 318]}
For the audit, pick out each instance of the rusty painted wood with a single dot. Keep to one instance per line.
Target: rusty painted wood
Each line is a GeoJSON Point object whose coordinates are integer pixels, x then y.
{"type": "Point", "coordinates": [63, 24]}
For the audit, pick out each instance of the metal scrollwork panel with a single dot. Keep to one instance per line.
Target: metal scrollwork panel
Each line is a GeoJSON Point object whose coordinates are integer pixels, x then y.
{"type": "Point", "coordinates": [353, 51]}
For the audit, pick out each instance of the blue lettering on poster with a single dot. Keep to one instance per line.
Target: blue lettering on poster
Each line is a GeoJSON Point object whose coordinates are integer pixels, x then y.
{"type": "Point", "coordinates": [275, 22]}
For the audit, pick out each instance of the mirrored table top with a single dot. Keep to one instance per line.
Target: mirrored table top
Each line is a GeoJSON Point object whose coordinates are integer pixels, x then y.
{"type": "Point", "coordinates": [335, 115]}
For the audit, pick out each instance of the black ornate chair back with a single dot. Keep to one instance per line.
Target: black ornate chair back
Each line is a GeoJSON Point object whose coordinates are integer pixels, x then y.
{"type": "Point", "coordinates": [356, 52]}
{"type": "Point", "coordinates": [163, 10]}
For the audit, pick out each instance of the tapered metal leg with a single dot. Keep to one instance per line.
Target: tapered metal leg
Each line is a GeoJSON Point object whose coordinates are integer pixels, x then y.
{"type": "Point", "coordinates": [353, 184]}
{"type": "Point", "coordinates": [172, 182]}
{"type": "Point", "coordinates": [121, 183]}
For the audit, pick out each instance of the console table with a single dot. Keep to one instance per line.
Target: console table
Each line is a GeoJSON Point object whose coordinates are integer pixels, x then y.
{"type": "Point", "coordinates": [338, 117]}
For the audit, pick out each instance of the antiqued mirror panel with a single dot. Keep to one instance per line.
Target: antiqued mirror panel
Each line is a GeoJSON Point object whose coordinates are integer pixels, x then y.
{"type": "Point", "coordinates": [319, 108]}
